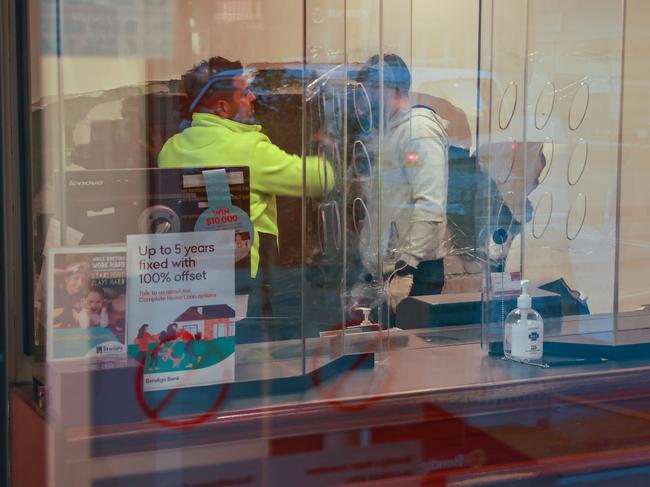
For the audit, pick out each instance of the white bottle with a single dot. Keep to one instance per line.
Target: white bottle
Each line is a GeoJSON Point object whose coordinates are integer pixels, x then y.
{"type": "Point", "coordinates": [524, 331]}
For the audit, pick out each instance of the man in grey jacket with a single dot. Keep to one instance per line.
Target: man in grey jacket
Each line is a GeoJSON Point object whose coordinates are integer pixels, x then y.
{"type": "Point", "coordinates": [407, 197]}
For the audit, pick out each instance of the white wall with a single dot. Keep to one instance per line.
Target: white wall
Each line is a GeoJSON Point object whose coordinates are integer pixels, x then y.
{"type": "Point", "coordinates": [183, 33]}
{"type": "Point", "coordinates": [566, 46]}
{"type": "Point", "coordinates": [635, 198]}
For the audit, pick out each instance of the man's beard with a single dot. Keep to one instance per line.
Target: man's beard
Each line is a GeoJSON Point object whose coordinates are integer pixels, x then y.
{"type": "Point", "coordinates": [248, 120]}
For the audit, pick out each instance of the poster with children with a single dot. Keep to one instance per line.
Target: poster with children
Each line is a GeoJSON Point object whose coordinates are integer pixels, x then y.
{"type": "Point", "coordinates": [181, 307]}
{"type": "Point", "coordinates": [86, 302]}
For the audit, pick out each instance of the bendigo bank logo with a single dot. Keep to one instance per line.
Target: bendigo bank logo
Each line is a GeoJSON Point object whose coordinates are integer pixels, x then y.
{"type": "Point", "coordinates": [101, 349]}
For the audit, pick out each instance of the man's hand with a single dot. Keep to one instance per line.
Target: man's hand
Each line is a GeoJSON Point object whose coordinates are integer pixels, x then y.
{"type": "Point", "coordinates": [399, 288]}
{"type": "Point", "coordinates": [324, 138]}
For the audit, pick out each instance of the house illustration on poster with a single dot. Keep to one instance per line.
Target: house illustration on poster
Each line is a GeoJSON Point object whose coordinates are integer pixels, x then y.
{"type": "Point", "coordinates": [208, 322]}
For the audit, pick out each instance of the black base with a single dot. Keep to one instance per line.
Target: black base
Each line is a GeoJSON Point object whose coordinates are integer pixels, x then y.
{"type": "Point", "coordinates": [466, 309]}
{"type": "Point", "coordinates": [630, 345]}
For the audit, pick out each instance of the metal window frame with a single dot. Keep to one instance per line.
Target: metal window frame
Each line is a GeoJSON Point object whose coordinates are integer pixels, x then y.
{"type": "Point", "coordinates": [16, 296]}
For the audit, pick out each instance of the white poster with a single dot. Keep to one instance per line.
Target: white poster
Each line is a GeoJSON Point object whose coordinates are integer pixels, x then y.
{"type": "Point", "coordinates": [181, 307]}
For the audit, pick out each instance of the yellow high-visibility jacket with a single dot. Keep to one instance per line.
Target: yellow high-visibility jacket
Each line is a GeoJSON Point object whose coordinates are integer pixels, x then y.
{"type": "Point", "coordinates": [215, 141]}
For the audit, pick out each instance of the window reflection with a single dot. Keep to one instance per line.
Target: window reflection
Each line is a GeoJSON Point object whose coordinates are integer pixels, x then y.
{"type": "Point", "coordinates": [322, 336]}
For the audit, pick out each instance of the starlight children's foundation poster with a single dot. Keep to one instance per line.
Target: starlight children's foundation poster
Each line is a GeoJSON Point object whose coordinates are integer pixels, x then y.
{"type": "Point", "coordinates": [86, 302]}
{"type": "Point", "coordinates": [181, 307]}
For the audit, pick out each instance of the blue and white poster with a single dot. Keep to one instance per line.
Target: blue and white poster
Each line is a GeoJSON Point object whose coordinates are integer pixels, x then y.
{"type": "Point", "coordinates": [86, 302]}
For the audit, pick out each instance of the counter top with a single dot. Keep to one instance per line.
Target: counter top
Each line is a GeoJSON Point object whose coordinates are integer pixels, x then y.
{"type": "Point", "coordinates": [450, 376]}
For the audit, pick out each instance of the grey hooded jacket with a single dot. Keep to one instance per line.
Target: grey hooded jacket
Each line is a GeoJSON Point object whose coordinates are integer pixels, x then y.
{"type": "Point", "coordinates": [407, 195]}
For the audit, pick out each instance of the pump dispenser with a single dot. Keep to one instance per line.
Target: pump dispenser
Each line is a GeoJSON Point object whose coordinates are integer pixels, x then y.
{"type": "Point", "coordinates": [524, 330]}
{"type": "Point", "coordinates": [366, 316]}
{"type": "Point", "coordinates": [524, 301]}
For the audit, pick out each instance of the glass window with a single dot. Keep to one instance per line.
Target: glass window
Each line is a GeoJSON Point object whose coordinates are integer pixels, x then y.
{"type": "Point", "coordinates": [330, 242]}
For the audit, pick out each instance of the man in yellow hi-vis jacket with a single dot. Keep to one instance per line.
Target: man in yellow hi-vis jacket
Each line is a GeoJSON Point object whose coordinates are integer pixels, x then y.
{"type": "Point", "coordinates": [223, 133]}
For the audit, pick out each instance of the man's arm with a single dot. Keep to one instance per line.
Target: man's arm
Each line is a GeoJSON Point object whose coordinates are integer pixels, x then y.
{"type": "Point", "coordinates": [279, 173]}
{"type": "Point", "coordinates": [426, 171]}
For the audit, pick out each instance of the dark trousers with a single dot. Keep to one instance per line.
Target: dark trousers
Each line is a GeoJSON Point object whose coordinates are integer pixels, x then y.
{"type": "Point", "coordinates": [256, 326]}
{"type": "Point", "coordinates": [428, 278]}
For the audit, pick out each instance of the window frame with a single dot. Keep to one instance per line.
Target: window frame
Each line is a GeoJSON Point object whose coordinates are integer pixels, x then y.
{"type": "Point", "coordinates": [16, 291]}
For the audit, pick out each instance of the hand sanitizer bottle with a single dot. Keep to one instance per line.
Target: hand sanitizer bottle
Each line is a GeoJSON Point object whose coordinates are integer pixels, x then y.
{"type": "Point", "coordinates": [524, 331]}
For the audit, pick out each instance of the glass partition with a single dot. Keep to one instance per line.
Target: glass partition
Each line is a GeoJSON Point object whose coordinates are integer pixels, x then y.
{"type": "Point", "coordinates": [531, 183]}
{"type": "Point", "coordinates": [556, 103]}
{"type": "Point", "coordinates": [128, 274]}
{"type": "Point", "coordinates": [632, 297]}
{"type": "Point", "coordinates": [324, 136]}
{"type": "Point", "coordinates": [280, 241]}
{"type": "Point", "coordinates": [441, 130]}
{"type": "Point", "coordinates": [344, 286]}
{"type": "Point", "coordinates": [578, 244]}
